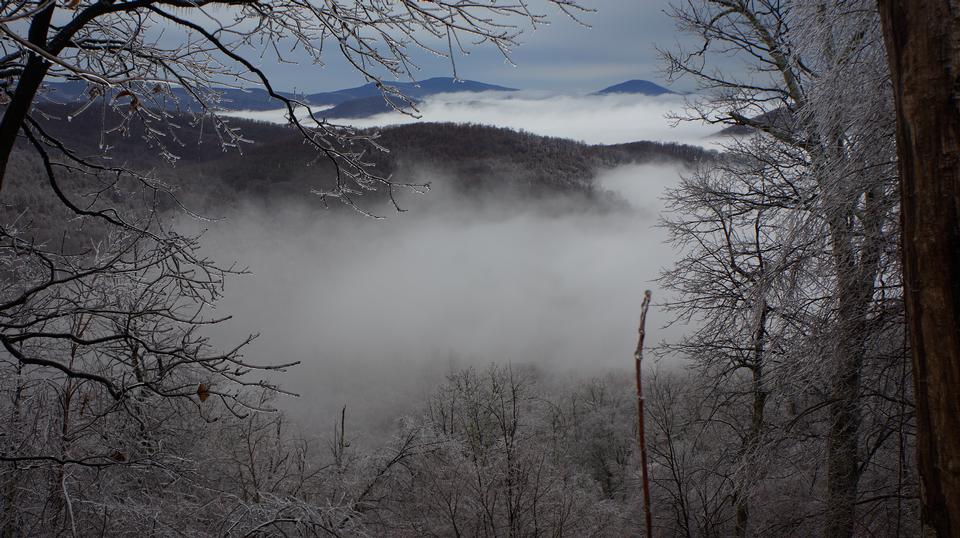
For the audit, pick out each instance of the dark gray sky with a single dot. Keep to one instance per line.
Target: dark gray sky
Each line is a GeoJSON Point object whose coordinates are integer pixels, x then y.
{"type": "Point", "coordinates": [563, 56]}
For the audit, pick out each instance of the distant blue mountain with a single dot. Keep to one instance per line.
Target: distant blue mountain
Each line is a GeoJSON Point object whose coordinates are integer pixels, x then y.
{"type": "Point", "coordinates": [418, 90]}
{"type": "Point", "coordinates": [356, 102]}
{"type": "Point", "coordinates": [232, 98]}
{"type": "Point", "coordinates": [642, 87]}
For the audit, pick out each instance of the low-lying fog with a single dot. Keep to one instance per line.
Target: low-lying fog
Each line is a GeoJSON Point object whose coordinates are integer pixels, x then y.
{"type": "Point", "coordinates": [379, 310]}
{"type": "Point", "coordinates": [594, 119]}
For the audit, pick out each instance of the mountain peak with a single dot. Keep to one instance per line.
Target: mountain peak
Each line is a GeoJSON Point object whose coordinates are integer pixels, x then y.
{"type": "Point", "coordinates": [637, 86]}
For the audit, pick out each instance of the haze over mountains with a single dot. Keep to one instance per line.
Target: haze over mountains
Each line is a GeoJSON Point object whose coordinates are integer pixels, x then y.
{"type": "Point", "coordinates": [622, 113]}
{"type": "Point", "coordinates": [357, 102]}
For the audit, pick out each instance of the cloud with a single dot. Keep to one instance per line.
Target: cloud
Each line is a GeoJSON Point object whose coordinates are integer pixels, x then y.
{"type": "Point", "coordinates": [594, 119]}
{"type": "Point", "coordinates": [620, 31]}
{"type": "Point", "coordinates": [378, 310]}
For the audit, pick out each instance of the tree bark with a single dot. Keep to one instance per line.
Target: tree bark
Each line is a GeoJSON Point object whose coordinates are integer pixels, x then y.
{"type": "Point", "coordinates": [843, 476]}
{"type": "Point", "coordinates": [27, 85]}
{"type": "Point", "coordinates": [751, 445]}
{"type": "Point", "coordinates": [923, 47]}
{"type": "Point", "coordinates": [857, 269]}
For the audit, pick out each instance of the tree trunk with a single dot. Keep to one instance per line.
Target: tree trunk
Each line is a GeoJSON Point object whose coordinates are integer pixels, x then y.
{"type": "Point", "coordinates": [923, 46]}
{"type": "Point", "coordinates": [856, 270]}
{"type": "Point", "coordinates": [751, 445]}
{"type": "Point", "coordinates": [843, 476]}
{"type": "Point", "coordinates": [27, 85]}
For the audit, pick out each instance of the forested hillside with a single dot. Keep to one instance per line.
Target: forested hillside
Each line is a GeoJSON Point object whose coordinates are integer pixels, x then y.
{"type": "Point", "coordinates": [272, 163]}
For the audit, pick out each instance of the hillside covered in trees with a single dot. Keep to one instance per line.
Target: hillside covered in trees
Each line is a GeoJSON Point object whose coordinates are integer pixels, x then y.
{"type": "Point", "coordinates": [273, 164]}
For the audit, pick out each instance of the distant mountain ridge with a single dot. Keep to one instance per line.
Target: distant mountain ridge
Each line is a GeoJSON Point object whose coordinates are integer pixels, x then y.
{"type": "Point", "coordinates": [232, 99]}
{"type": "Point", "coordinates": [642, 87]}
{"type": "Point", "coordinates": [424, 88]}
{"type": "Point", "coordinates": [358, 102]}
{"type": "Point", "coordinates": [366, 100]}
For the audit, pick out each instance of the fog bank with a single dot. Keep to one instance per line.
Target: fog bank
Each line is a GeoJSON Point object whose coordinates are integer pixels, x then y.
{"type": "Point", "coordinates": [379, 310]}
{"type": "Point", "coordinates": [594, 119]}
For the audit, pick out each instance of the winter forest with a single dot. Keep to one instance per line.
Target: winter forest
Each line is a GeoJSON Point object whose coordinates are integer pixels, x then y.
{"type": "Point", "coordinates": [233, 306]}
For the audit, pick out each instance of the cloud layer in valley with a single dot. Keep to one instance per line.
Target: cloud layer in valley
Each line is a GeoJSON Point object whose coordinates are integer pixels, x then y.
{"type": "Point", "coordinates": [595, 119]}
{"type": "Point", "coordinates": [379, 310]}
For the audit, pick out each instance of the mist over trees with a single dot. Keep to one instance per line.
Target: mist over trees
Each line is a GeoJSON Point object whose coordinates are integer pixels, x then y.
{"type": "Point", "coordinates": [787, 409]}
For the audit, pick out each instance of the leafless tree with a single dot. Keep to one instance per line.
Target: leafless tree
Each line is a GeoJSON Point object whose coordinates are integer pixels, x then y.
{"type": "Point", "coordinates": [801, 256]}
{"type": "Point", "coordinates": [741, 277]}
{"type": "Point", "coordinates": [119, 49]}
{"type": "Point", "coordinates": [109, 380]}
